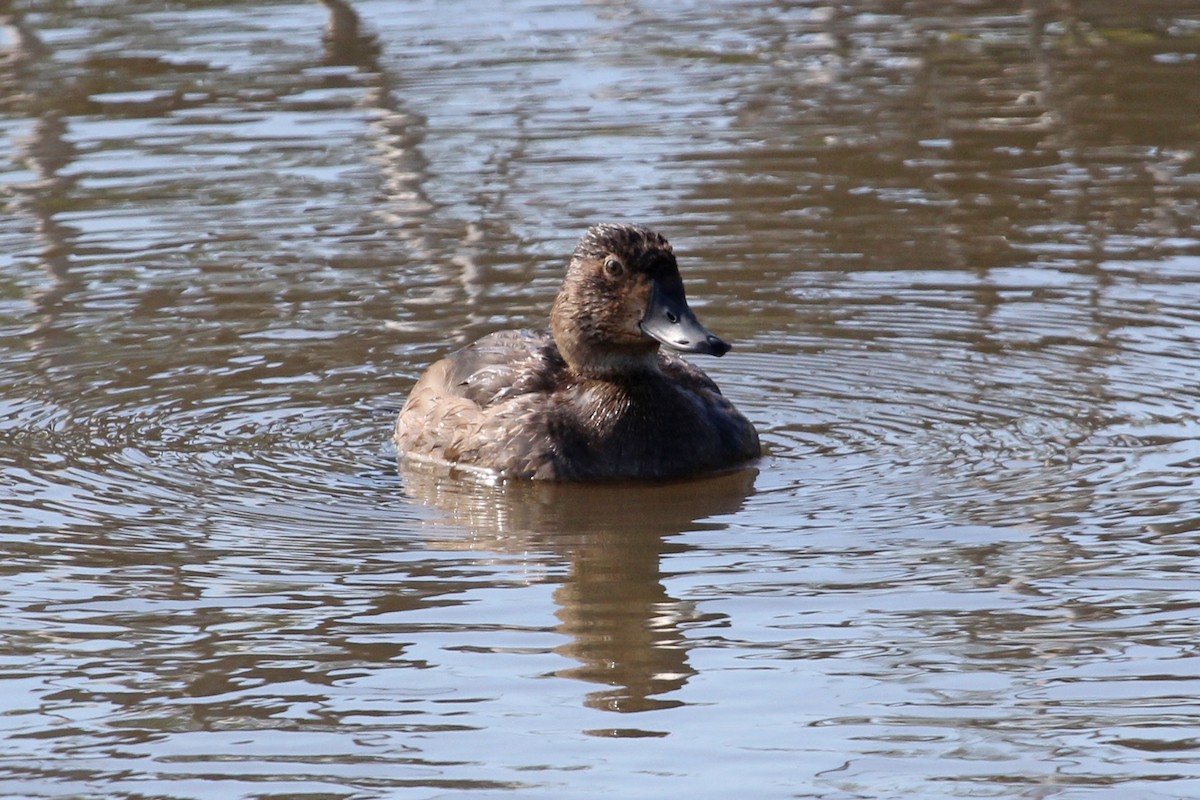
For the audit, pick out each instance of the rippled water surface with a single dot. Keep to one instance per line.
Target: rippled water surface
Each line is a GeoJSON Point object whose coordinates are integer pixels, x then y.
{"type": "Point", "coordinates": [956, 245]}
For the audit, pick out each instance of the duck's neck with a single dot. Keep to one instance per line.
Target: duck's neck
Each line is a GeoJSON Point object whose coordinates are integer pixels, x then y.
{"type": "Point", "coordinates": [606, 362]}
{"type": "Point", "coordinates": [614, 367]}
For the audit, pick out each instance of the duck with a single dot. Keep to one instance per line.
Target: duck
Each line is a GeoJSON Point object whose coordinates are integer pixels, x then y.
{"type": "Point", "coordinates": [600, 395]}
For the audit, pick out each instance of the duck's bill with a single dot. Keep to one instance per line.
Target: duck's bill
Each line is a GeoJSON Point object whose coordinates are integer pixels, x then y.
{"type": "Point", "coordinates": [669, 320]}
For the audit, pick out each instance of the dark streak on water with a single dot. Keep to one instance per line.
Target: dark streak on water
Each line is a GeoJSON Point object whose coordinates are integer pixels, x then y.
{"type": "Point", "coordinates": [956, 245]}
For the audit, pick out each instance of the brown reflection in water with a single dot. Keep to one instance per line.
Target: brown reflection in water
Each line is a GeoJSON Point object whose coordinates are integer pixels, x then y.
{"type": "Point", "coordinates": [625, 629]}
{"type": "Point", "coordinates": [346, 43]}
{"type": "Point", "coordinates": [406, 210]}
{"type": "Point", "coordinates": [46, 151]}
{"type": "Point", "coordinates": [53, 92]}
{"type": "Point", "coordinates": [957, 136]}
{"type": "Point", "coordinates": [396, 132]}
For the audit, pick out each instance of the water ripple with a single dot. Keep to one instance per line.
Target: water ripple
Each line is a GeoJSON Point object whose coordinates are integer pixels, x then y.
{"type": "Point", "coordinates": [959, 264]}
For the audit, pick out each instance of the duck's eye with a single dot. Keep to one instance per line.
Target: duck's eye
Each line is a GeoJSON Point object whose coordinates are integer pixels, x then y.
{"type": "Point", "coordinates": [613, 267]}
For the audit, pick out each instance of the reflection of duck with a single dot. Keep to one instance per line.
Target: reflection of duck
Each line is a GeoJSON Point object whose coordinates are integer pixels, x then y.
{"type": "Point", "coordinates": [548, 516]}
{"type": "Point", "coordinates": [593, 397]}
{"type": "Point", "coordinates": [625, 632]}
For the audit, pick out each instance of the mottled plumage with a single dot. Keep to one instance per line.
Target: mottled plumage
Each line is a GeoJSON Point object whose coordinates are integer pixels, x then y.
{"type": "Point", "coordinates": [594, 397]}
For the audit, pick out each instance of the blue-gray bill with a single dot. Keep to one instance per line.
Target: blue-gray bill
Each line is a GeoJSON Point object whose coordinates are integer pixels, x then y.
{"type": "Point", "coordinates": [670, 320]}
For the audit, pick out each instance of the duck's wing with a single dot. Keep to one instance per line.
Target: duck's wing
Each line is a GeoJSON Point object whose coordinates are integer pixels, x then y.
{"type": "Point", "coordinates": [503, 365]}
{"type": "Point", "coordinates": [459, 411]}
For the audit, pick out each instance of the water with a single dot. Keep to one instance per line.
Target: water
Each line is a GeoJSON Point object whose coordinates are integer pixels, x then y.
{"type": "Point", "coordinates": [955, 246]}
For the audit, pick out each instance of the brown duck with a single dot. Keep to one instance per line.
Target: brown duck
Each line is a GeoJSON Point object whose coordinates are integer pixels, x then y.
{"type": "Point", "coordinates": [594, 397]}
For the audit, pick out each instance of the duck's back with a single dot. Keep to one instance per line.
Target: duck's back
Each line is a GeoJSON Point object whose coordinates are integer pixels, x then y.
{"type": "Point", "coordinates": [509, 404]}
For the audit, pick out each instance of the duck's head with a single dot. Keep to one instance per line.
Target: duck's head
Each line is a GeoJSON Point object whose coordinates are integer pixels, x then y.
{"type": "Point", "coordinates": [621, 299]}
